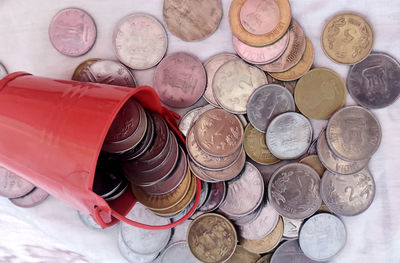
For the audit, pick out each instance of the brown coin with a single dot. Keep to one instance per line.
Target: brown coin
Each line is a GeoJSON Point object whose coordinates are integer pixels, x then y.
{"type": "Point", "coordinates": [241, 255]}
{"type": "Point", "coordinates": [265, 259]}
{"type": "Point", "coordinates": [81, 67]}
{"type": "Point", "coordinates": [199, 173]}
{"type": "Point", "coordinates": [314, 162]}
{"type": "Point", "coordinates": [192, 20]}
{"type": "Point", "coordinates": [212, 238]}
{"type": "Point", "coordinates": [290, 85]}
{"type": "Point", "coordinates": [267, 243]}
{"type": "Point", "coordinates": [347, 38]}
{"type": "Point", "coordinates": [259, 22]}
{"type": "Point", "coordinates": [215, 198]}
{"type": "Point", "coordinates": [301, 67]}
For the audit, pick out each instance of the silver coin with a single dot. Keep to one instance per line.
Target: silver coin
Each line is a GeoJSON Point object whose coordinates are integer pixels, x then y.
{"type": "Point", "coordinates": [203, 194]}
{"type": "Point", "coordinates": [322, 237]}
{"type": "Point", "coordinates": [186, 121]}
{"type": "Point", "coordinates": [243, 120]}
{"type": "Point", "coordinates": [290, 251]}
{"type": "Point", "coordinates": [140, 41]}
{"type": "Point", "coordinates": [348, 195]}
{"type": "Point", "coordinates": [334, 163]}
{"type": "Point", "coordinates": [13, 186]}
{"type": "Point", "coordinates": [3, 71]}
{"type": "Point", "coordinates": [266, 102]}
{"type": "Point", "coordinates": [375, 82]}
{"type": "Point", "coordinates": [247, 219]}
{"type": "Point", "coordinates": [244, 194]}
{"type": "Point", "coordinates": [143, 241]}
{"type": "Point", "coordinates": [289, 135]}
{"type": "Point", "coordinates": [88, 221]}
{"type": "Point", "coordinates": [180, 231]}
{"type": "Point", "coordinates": [291, 228]}
{"type": "Point", "coordinates": [131, 256]}
{"type": "Point", "coordinates": [354, 133]}
{"type": "Point", "coordinates": [178, 252]}
{"type": "Point", "coordinates": [313, 147]}
{"type": "Point", "coordinates": [294, 191]}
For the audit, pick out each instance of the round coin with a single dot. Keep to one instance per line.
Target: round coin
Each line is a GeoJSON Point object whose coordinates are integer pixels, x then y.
{"type": "Point", "coordinates": [347, 38]}
{"type": "Point", "coordinates": [247, 219]}
{"type": "Point", "coordinates": [33, 198]}
{"type": "Point", "coordinates": [241, 255]}
{"type": "Point", "coordinates": [13, 186]}
{"type": "Point", "coordinates": [215, 197]}
{"type": "Point", "coordinates": [131, 256]}
{"type": "Point", "coordinates": [186, 121]}
{"type": "Point", "coordinates": [178, 252]}
{"type": "Point", "coordinates": [265, 259]}
{"type": "Point", "coordinates": [291, 228]}
{"type": "Point", "coordinates": [79, 69]}
{"type": "Point", "coordinates": [289, 85]}
{"type": "Point", "coordinates": [313, 161]}
{"type": "Point", "coordinates": [198, 172]}
{"type": "Point", "coordinates": [3, 71]}
{"type": "Point", "coordinates": [290, 251]}
{"type": "Point", "coordinates": [88, 221]}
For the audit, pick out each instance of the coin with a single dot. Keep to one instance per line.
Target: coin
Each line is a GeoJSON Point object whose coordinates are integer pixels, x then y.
{"type": "Point", "coordinates": [290, 85]}
{"type": "Point", "coordinates": [245, 22]}
{"type": "Point", "coordinates": [72, 32]}
{"type": "Point", "coordinates": [294, 191]}
{"type": "Point", "coordinates": [290, 251]}
{"type": "Point", "coordinates": [300, 68]}
{"type": "Point", "coordinates": [348, 195]}
{"type": "Point", "coordinates": [3, 71]}
{"type": "Point", "coordinates": [244, 194]}
{"type": "Point", "coordinates": [33, 198]}
{"type": "Point", "coordinates": [291, 228]}
{"type": "Point", "coordinates": [131, 256]}
{"type": "Point", "coordinates": [199, 173]}
{"type": "Point", "coordinates": [347, 38]}
{"type": "Point", "coordinates": [267, 243]}
{"type": "Point", "coordinates": [289, 135]}
{"type": "Point", "coordinates": [178, 252]}
{"type": "Point", "coordinates": [139, 41]}
{"type": "Point", "coordinates": [192, 20]}
{"type": "Point", "coordinates": [233, 84]}
{"type": "Point", "coordinates": [322, 237]}
{"type": "Point", "coordinates": [241, 255]}
{"type": "Point", "coordinates": [374, 82]}
{"type": "Point", "coordinates": [265, 259]}
{"type": "Point", "coordinates": [266, 102]}
{"type": "Point", "coordinates": [335, 164]}
{"type": "Point", "coordinates": [249, 218]}
{"type": "Point", "coordinates": [108, 177]}
{"type": "Point", "coordinates": [79, 69]}
{"type": "Point", "coordinates": [203, 193]}
{"type": "Point", "coordinates": [212, 65]}
{"type": "Point", "coordinates": [260, 55]}
{"type": "Point", "coordinates": [313, 161]}
{"type": "Point", "coordinates": [215, 198]}
{"type": "Point", "coordinates": [354, 133]}
{"type": "Point", "coordinates": [180, 80]}
{"type": "Point", "coordinates": [319, 93]}
{"type": "Point", "coordinates": [186, 121]}
{"type": "Point", "coordinates": [13, 186]}
{"type": "Point", "coordinates": [88, 221]}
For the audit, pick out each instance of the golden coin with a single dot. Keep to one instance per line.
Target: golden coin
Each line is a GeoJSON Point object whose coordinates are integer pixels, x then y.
{"type": "Point", "coordinates": [241, 255]}
{"type": "Point", "coordinates": [260, 8]}
{"type": "Point", "coordinates": [319, 93]}
{"type": "Point", "coordinates": [314, 162]}
{"type": "Point", "coordinates": [300, 68]}
{"type": "Point", "coordinates": [347, 38]}
{"type": "Point", "coordinates": [265, 244]}
{"type": "Point", "coordinates": [255, 146]}
{"type": "Point", "coordinates": [265, 259]}
{"type": "Point", "coordinates": [212, 238]}
{"type": "Point", "coordinates": [81, 67]}
{"type": "Point", "coordinates": [165, 201]}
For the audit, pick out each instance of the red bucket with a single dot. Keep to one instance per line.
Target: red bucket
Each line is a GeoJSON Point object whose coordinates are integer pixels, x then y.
{"type": "Point", "coordinates": [51, 133]}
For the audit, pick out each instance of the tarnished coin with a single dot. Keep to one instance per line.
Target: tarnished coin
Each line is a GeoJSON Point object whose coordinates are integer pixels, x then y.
{"type": "Point", "coordinates": [301, 67]}
{"type": "Point", "coordinates": [335, 164]}
{"type": "Point", "coordinates": [33, 198]}
{"type": "Point", "coordinates": [241, 255]}
{"type": "Point", "coordinates": [375, 83]}
{"type": "Point", "coordinates": [131, 256]}
{"type": "Point", "coordinates": [319, 93]}
{"type": "Point", "coordinates": [290, 85]}
{"type": "Point", "coordinates": [265, 259]}
{"type": "Point", "coordinates": [212, 238]}
{"type": "Point", "coordinates": [3, 71]}
{"type": "Point", "coordinates": [290, 251]}
{"type": "Point", "coordinates": [266, 102]}
{"type": "Point", "coordinates": [354, 133]}
{"type": "Point", "coordinates": [313, 161]}
{"type": "Point", "coordinates": [259, 22]}
{"type": "Point", "coordinates": [294, 191]}
{"type": "Point", "coordinates": [180, 80]}
{"type": "Point", "coordinates": [348, 195]}
{"type": "Point", "coordinates": [139, 41]}
{"type": "Point", "coordinates": [347, 38]}
{"type": "Point", "coordinates": [192, 20]}
{"type": "Point", "coordinates": [215, 197]}
{"type": "Point", "coordinates": [13, 186]}
{"type": "Point", "coordinates": [79, 69]}
{"type": "Point", "coordinates": [245, 194]}
{"type": "Point", "coordinates": [293, 53]}
{"type": "Point", "coordinates": [233, 84]}
{"type": "Point", "coordinates": [322, 237]}
{"type": "Point", "coordinates": [289, 135]}
{"type": "Point", "coordinates": [178, 252]}
{"type": "Point", "coordinates": [291, 228]}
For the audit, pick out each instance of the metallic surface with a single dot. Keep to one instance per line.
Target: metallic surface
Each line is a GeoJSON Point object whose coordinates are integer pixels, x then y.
{"type": "Point", "coordinates": [3, 71]}
{"type": "Point", "coordinates": [290, 85]}
{"type": "Point", "coordinates": [33, 198]}
{"type": "Point", "coordinates": [83, 65]}
{"type": "Point", "coordinates": [313, 161]}
{"type": "Point", "coordinates": [88, 221]}
{"type": "Point", "coordinates": [187, 120]}
{"type": "Point", "coordinates": [178, 252]}
{"type": "Point", "coordinates": [259, 16]}
{"type": "Point", "coordinates": [291, 228]}
{"type": "Point", "coordinates": [131, 256]}
{"type": "Point", "coordinates": [265, 259]}
{"type": "Point", "coordinates": [198, 172]}
{"type": "Point", "coordinates": [241, 255]}
{"type": "Point", "coordinates": [290, 251]}
{"type": "Point", "coordinates": [13, 186]}
{"type": "Point", "coordinates": [215, 198]}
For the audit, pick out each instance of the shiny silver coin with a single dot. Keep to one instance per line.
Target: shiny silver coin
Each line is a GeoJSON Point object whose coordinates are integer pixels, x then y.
{"type": "Point", "coordinates": [291, 228]}
{"type": "Point", "coordinates": [3, 71]}
{"type": "Point", "coordinates": [178, 252]}
{"type": "Point", "coordinates": [348, 195]}
{"type": "Point", "coordinates": [354, 133]}
{"type": "Point", "coordinates": [186, 121]}
{"type": "Point", "coordinates": [88, 221]}
{"type": "Point", "coordinates": [131, 256]}
{"type": "Point", "coordinates": [289, 135]}
{"type": "Point", "coordinates": [334, 163]}
{"type": "Point", "coordinates": [290, 252]}
{"type": "Point", "coordinates": [322, 237]}
{"type": "Point", "coordinates": [375, 82]}
{"type": "Point", "coordinates": [294, 191]}
{"type": "Point", "coordinates": [266, 102]}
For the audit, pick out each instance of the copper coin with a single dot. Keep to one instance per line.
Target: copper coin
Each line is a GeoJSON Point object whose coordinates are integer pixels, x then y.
{"type": "Point", "coordinates": [72, 32]}
{"type": "Point", "coordinates": [34, 198]}
{"type": "Point", "coordinates": [241, 255]}
{"type": "Point", "coordinates": [218, 133]}
{"type": "Point", "coordinates": [180, 80]}
{"type": "Point", "coordinates": [13, 186]}
{"type": "Point", "coordinates": [79, 69]}
{"type": "Point", "coordinates": [192, 20]}
{"type": "Point", "coordinates": [199, 173]}
{"type": "Point", "coordinates": [215, 197]}
{"type": "Point", "coordinates": [293, 53]}
{"type": "Point", "coordinates": [290, 85]}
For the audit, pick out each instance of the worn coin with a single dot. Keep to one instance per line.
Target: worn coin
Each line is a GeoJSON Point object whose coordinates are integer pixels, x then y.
{"type": "Point", "coordinates": [347, 38]}
{"type": "Point", "coordinates": [265, 259]}
{"type": "Point", "coordinates": [293, 53]}
{"type": "Point", "coordinates": [313, 161]}
{"type": "Point", "coordinates": [249, 218]}
{"type": "Point", "coordinates": [354, 133]}
{"type": "Point", "coordinates": [139, 41]}
{"type": "Point", "coordinates": [290, 251]}
{"type": "Point", "coordinates": [233, 84]}
{"type": "Point", "coordinates": [79, 69]}
{"type": "Point", "coordinates": [319, 93]}
{"type": "Point", "coordinates": [374, 82]}
{"type": "Point", "coordinates": [289, 135]}
{"type": "Point", "coordinates": [291, 228]}
{"type": "Point", "coordinates": [33, 198]}
{"type": "Point", "coordinates": [348, 195]}
{"type": "Point", "coordinates": [290, 85]}
{"type": "Point", "coordinates": [212, 238]}
{"type": "Point", "coordinates": [131, 256]}
{"type": "Point", "coordinates": [178, 252]}
{"type": "Point", "coordinates": [215, 197]}
{"type": "Point", "coordinates": [301, 67]}
{"type": "Point", "coordinates": [241, 255]}
{"type": "Point", "coordinates": [294, 191]}
{"type": "Point", "coordinates": [3, 71]}
{"type": "Point", "coordinates": [186, 121]}
{"type": "Point", "coordinates": [13, 186]}
{"type": "Point", "coordinates": [322, 237]}
{"type": "Point", "coordinates": [259, 22]}
{"type": "Point", "coordinates": [266, 102]}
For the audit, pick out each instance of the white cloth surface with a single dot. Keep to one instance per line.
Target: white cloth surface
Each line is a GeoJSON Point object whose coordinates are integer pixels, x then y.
{"type": "Point", "coordinates": [53, 232]}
